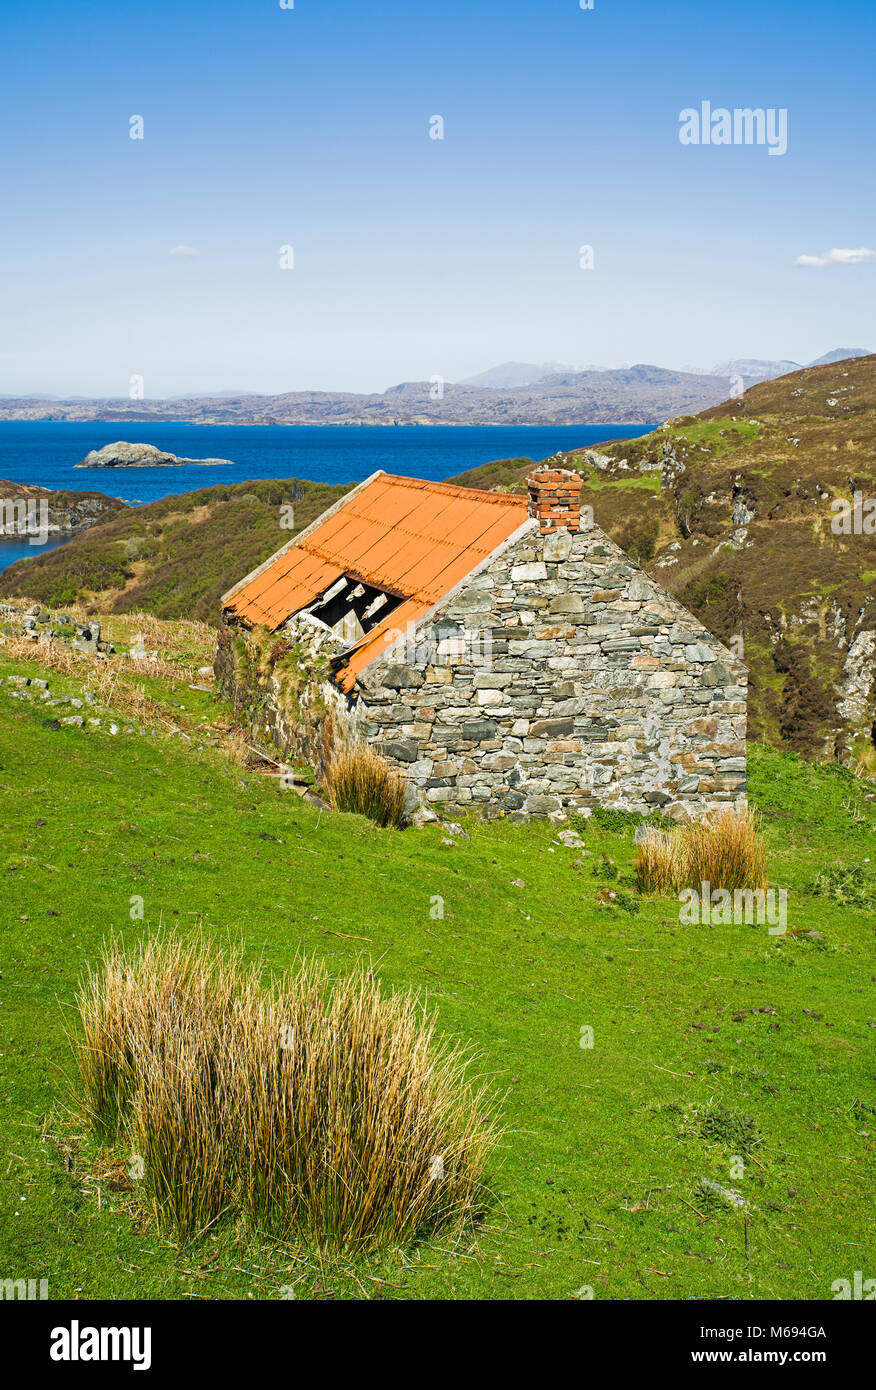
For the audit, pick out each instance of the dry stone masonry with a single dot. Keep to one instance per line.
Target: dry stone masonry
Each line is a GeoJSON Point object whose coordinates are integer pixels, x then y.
{"type": "Point", "coordinates": [561, 677]}
{"type": "Point", "coordinates": [557, 676]}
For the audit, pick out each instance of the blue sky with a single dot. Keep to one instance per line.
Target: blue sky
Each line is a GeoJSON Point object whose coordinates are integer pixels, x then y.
{"type": "Point", "coordinates": [266, 127]}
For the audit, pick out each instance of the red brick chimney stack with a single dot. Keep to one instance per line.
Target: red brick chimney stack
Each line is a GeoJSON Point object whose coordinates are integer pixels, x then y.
{"type": "Point", "coordinates": [555, 499]}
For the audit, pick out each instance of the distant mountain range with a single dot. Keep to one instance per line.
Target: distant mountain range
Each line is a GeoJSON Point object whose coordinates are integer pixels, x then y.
{"type": "Point", "coordinates": [839, 355]}
{"type": "Point", "coordinates": [510, 375]}
{"type": "Point", "coordinates": [753, 369]}
{"type": "Point", "coordinates": [514, 393]}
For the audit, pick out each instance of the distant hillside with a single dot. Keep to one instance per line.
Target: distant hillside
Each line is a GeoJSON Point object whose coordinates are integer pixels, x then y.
{"type": "Point", "coordinates": [633, 396]}
{"type": "Point", "coordinates": [839, 355]}
{"type": "Point", "coordinates": [509, 375]}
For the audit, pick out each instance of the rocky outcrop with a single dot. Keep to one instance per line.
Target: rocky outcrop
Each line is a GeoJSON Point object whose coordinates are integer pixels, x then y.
{"type": "Point", "coordinates": [855, 690]}
{"type": "Point", "coordinates": [124, 455]}
{"type": "Point", "coordinates": [38, 624]}
{"type": "Point", "coordinates": [26, 510]}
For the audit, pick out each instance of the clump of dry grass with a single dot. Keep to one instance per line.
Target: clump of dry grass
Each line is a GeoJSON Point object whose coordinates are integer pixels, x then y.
{"type": "Point", "coordinates": [54, 656]}
{"type": "Point", "coordinates": [106, 681]}
{"type": "Point", "coordinates": [182, 645]}
{"type": "Point", "coordinates": [727, 852]}
{"type": "Point", "coordinates": [359, 780]}
{"type": "Point", "coordinates": [301, 1104]}
{"type": "Point", "coordinates": [658, 867]}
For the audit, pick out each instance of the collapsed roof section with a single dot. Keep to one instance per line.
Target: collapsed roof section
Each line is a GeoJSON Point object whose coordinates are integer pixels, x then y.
{"type": "Point", "coordinates": [350, 608]}
{"type": "Point", "coordinates": [376, 562]}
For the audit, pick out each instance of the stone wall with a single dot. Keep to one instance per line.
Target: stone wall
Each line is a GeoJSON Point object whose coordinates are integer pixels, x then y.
{"type": "Point", "coordinates": [279, 686]}
{"type": "Point", "coordinates": [585, 684]}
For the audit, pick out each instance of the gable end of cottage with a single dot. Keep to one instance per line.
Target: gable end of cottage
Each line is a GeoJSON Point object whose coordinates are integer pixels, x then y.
{"type": "Point", "coordinates": [559, 676]}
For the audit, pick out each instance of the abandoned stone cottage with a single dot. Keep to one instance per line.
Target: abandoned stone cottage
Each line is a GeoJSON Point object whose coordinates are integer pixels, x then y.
{"type": "Point", "coordinates": [500, 651]}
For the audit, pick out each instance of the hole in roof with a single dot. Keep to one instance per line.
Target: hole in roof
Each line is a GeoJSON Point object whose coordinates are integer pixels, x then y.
{"type": "Point", "coordinates": [352, 608]}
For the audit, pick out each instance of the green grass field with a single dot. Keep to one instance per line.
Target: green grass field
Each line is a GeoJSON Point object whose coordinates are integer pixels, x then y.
{"type": "Point", "coordinates": [710, 1043]}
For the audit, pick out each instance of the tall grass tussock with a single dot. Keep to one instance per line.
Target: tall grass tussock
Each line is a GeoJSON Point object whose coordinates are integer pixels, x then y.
{"type": "Point", "coordinates": [359, 780]}
{"type": "Point", "coordinates": [726, 852]}
{"type": "Point", "coordinates": [304, 1105]}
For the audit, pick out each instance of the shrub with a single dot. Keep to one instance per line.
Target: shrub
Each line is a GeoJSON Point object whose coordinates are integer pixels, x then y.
{"type": "Point", "coordinates": [845, 883]}
{"type": "Point", "coordinates": [639, 537]}
{"type": "Point", "coordinates": [359, 780]}
{"type": "Point", "coordinates": [739, 1133]}
{"type": "Point", "coordinates": [300, 1105]}
{"type": "Point", "coordinates": [726, 852]}
{"type": "Point", "coordinates": [626, 903]}
{"type": "Point", "coordinates": [614, 820]}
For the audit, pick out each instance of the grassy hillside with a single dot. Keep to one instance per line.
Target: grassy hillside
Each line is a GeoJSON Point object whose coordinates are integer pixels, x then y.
{"type": "Point", "coordinates": [709, 1042]}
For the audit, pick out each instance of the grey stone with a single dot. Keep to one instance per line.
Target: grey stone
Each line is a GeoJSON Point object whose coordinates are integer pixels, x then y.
{"type": "Point", "coordinates": [477, 730]}
{"type": "Point", "coordinates": [528, 573]}
{"type": "Point", "coordinates": [542, 805]}
{"type": "Point", "coordinates": [558, 545]}
{"type": "Point", "coordinates": [453, 828]}
{"type": "Point", "coordinates": [406, 752]}
{"type": "Point", "coordinates": [698, 652]}
{"type": "Point", "coordinates": [571, 839]}
{"type": "Point", "coordinates": [567, 603]}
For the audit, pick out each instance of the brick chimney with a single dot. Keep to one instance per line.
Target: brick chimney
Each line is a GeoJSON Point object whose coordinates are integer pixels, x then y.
{"type": "Point", "coordinates": [555, 499]}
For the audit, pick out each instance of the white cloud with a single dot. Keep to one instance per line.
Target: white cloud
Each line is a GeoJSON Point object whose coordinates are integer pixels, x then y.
{"type": "Point", "coordinates": [839, 256]}
{"type": "Point", "coordinates": [183, 251]}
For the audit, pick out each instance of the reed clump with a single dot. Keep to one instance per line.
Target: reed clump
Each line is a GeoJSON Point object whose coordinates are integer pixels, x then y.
{"type": "Point", "coordinates": [727, 851]}
{"type": "Point", "coordinates": [302, 1104]}
{"type": "Point", "coordinates": [360, 780]}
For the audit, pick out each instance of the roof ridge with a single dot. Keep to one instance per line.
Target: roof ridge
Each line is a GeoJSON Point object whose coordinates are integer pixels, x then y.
{"type": "Point", "coordinates": [455, 490]}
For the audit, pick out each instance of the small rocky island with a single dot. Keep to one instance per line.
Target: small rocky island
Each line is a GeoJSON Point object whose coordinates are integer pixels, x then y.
{"type": "Point", "coordinates": [123, 455]}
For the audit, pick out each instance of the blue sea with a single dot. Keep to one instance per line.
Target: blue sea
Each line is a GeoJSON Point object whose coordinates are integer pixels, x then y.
{"type": "Point", "coordinates": [44, 453]}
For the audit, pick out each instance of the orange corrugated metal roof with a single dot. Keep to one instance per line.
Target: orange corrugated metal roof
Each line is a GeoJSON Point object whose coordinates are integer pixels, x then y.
{"type": "Point", "coordinates": [415, 538]}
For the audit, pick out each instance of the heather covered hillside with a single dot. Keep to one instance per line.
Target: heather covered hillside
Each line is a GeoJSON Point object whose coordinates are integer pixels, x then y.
{"type": "Point", "coordinates": [738, 512]}
{"type": "Point", "coordinates": [177, 556]}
